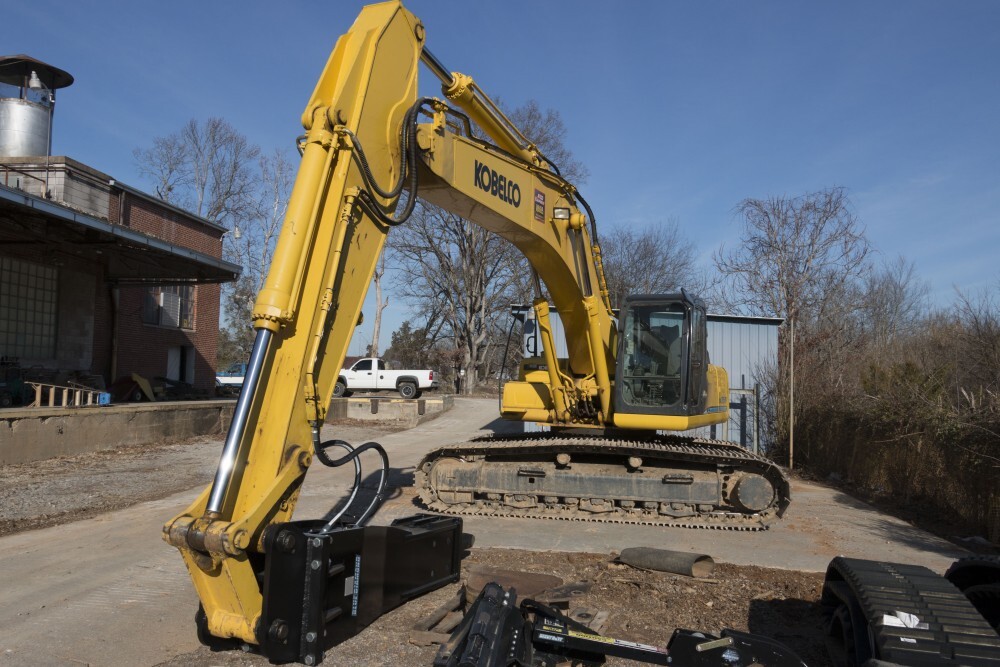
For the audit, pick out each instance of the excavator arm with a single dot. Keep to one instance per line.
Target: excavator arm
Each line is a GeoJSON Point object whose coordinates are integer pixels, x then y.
{"type": "Point", "coordinates": [304, 315]}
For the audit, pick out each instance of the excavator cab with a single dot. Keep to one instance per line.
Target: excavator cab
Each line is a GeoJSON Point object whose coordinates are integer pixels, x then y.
{"type": "Point", "coordinates": [662, 364]}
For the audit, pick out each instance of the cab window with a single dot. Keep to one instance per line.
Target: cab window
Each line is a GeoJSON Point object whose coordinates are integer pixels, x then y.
{"type": "Point", "coordinates": [363, 365]}
{"type": "Point", "coordinates": [653, 355]}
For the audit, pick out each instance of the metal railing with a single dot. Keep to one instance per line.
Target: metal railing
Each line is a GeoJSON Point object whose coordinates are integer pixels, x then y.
{"type": "Point", "coordinates": [744, 411]}
{"type": "Point", "coordinates": [7, 169]}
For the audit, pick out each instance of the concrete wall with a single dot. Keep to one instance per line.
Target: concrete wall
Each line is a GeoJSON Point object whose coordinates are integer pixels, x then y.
{"type": "Point", "coordinates": [405, 412]}
{"type": "Point", "coordinates": [33, 434]}
{"type": "Point", "coordinates": [84, 190]}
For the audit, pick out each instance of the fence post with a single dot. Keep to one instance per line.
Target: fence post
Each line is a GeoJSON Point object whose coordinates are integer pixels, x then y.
{"type": "Point", "coordinates": [756, 418]}
{"type": "Point", "coordinates": [743, 420]}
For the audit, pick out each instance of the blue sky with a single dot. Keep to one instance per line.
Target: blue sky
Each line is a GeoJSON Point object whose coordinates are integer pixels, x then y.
{"type": "Point", "coordinates": [678, 110]}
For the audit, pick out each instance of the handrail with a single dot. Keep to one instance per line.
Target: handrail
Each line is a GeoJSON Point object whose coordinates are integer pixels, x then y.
{"type": "Point", "coordinates": [7, 169]}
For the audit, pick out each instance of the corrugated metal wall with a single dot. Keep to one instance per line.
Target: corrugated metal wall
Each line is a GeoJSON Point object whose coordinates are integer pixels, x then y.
{"type": "Point", "coordinates": [744, 346]}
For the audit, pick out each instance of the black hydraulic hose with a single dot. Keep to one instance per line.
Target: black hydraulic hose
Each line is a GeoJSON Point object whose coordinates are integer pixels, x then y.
{"type": "Point", "coordinates": [383, 476]}
{"type": "Point", "coordinates": [549, 162]}
{"type": "Point", "coordinates": [409, 169]}
{"type": "Point", "coordinates": [366, 172]}
{"type": "Point", "coordinates": [466, 123]}
{"type": "Point", "coordinates": [590, 214]}
{"type": "Point", "coordinates": [325, 460]}
{"type": "Point", "coordinates": [405, 130]}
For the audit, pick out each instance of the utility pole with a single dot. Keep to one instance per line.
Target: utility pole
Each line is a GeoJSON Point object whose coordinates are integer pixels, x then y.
{"type": "Point", "coordinates": [791, 400]}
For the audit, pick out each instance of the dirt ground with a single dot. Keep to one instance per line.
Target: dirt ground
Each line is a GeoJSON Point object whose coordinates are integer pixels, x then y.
{"type": "Point", "coordinates": [641, 606]}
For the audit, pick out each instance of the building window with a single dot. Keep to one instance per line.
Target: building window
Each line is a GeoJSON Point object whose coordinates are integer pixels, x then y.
{"type": "Point", "coordinates": [169, 306]}
{"type": "Point", "coordinates": [28, 304]}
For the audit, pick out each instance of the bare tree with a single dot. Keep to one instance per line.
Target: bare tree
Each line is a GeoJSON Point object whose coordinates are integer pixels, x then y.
{"type": "Point", "coordinates": [800, 258]}
{"type": "Point", "coordinates": [979, 315]}
{"type": "Point", "coordinates": [650, 260]}
{"type": "Point", "coordinates": [256, 231]}
{"type": "Point", "coordinates": [214, 171]}
{"type": "Point", "coordinates": [381, 303]}
{"type": "Point", "coordinates": [251, 244]}
{"type": "Point", "coordinates": [894, 301]}
{"type": "Point", "coordinates": [165, 163]}
{"type": "Point", "coordinates": [206, 168]}
{"type": "Point", "coordinates": [546, 129]}
{"type": "Point", "coordinates": [795, 254]}
{"type": "Point", "coordinates": [458, 271]}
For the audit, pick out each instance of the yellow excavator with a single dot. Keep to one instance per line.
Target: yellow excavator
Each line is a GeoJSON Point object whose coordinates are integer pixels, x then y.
{"type": "Point", "coordinates": [370, 149]}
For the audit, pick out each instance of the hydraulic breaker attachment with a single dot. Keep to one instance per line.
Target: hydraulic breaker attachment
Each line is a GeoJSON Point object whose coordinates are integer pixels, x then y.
{"type": "Point", "coordinates": [322, 587]}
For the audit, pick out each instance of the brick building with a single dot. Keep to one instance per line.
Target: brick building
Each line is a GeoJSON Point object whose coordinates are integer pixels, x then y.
{"type": "Point", "coordinates": [96, 278]}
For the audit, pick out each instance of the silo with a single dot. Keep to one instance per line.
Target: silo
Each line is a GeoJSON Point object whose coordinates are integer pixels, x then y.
{"type": "Point", "coordinates": [27, 102]}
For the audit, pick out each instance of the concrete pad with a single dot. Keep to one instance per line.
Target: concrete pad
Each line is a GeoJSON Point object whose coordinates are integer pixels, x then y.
{"type": "Point", "coordinates": [821, 522]}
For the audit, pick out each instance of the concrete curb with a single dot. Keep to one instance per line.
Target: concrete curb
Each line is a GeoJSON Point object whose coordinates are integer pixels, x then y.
{"type": "Point", "coordinates": [406, 412]}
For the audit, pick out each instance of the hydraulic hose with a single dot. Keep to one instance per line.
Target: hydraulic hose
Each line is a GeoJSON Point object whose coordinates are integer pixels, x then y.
{"type": "Point", "coordinates": [352, 456]}
{"type": "Point", "coordinates": [408, 170]}
{"type": "Point", "coordinates": [324, 458]}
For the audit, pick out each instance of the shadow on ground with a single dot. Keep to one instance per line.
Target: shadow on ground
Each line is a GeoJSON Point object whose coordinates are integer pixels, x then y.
{"type": "Point", "coordinates": [796, 623]}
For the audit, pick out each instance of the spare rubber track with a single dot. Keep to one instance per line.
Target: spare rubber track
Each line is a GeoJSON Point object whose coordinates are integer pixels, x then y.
{"type": "Point", "coordinates": [678, 448]}
{"type": "Point", "coordinates": [978, 577]}
{"type": "Point", "coordinates": [870, 593]}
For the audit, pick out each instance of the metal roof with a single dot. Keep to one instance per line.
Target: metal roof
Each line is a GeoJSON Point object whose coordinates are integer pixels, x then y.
{"type": "Point", "coordinates": [746, 319]}
{"type": "Point", "coordinates": [30, 225]}
{"type": "Point", "coordinates": [15, 69]}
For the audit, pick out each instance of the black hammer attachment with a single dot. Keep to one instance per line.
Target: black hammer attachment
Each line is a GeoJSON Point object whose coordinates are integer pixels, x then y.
{"type": "Point", "coordinates": [323, 587]}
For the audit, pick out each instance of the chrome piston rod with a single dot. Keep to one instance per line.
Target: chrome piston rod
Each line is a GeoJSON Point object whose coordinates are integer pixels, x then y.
{"type": "Point", "coordinates": [227, 463]}
{"type": "Point", "coordinates": [435, 65]}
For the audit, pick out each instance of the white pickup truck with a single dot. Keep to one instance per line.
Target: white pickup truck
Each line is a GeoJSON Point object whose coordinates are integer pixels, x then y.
{"type": "Point", "coordinates": [371, 374]}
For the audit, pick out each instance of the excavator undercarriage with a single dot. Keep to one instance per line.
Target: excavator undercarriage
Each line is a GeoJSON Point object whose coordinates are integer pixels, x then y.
{"type": "Point", "coordinates": [662, 480]}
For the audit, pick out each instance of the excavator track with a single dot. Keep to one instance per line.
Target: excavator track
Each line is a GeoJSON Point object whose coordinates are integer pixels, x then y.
{"type": "Point", "coordinates": [664, 481]}
{"type": "Point", "coordinates": [902, 614]}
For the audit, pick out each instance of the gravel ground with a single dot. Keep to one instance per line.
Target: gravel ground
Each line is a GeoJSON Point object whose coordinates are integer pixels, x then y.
{"type": "Point", "coordinates": [642, 606]}
{"type": "Point", "coordinates": [71, 488]}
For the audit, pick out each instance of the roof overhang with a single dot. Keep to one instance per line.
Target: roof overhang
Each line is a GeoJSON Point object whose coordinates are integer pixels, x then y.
{"type": "Point", "coordinates": [30, 226]}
